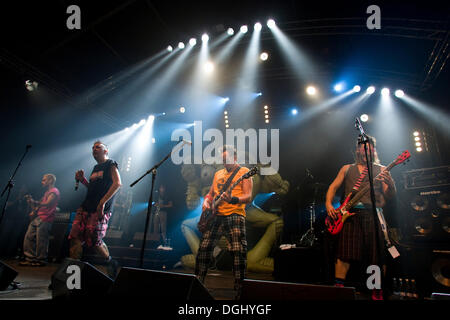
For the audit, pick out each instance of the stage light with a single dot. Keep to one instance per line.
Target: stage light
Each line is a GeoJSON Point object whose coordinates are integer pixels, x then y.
{"type": "Point", "coordinates": [267, 120]}
{"type": "Point", "coordinates": [153, 140]}
{"type": "Point", "coordinates": [258, 26]}
{"type": "Point", "coordinates": [225, 112]}
{"type": "Point", "coordinates": [205, 37]}
{"type": "Point", "coordinates": [226, 117]}
{"type": "Point", "coordinates": [385, 92]}
{"type": "Point", "coordinates": [338, 87]}
{"type": "Point", "coordinates": [418, 144]}
{"type": "Point", "coordinates": [193, 41]}
{"type": "Point", "coordinates": [370, 90]}
{"type": "Point", "coordinates": [244, 29]}
{"type": "Point", "coordinates": [227, 126]}
{"type": "Point", "coordinates": [399, 93]}
{"type": "Point", "coordinates": [264, 56]}
{"type": "Point", "coordinates": [364, 118]}
{"type": "Point", "coordinates": [271, 23]}
{"type": "Point", "coordinates": [416, 133]}
{"type": "Point", "coordinates": [230, 31]}
{"type": "Point", "coordinates": [181, 45]}
{"type": "Point", "coordinates": [163, 113]}
{"type": "Point", "coordinates": [419, 149]}
{"type": "Point", "coordinates": [169, 48]}
{"type": "Point", "coordinates": [259, 94]}
{"type": "Point", "coordinates": [294, 111]}
{"type": "Point", "coordinates": [266, 111]}
{"type": "Point", "coordinates": [416, 139]}
{"type": "Point", "coordinates": [226, 120]}
{"type": "Point", "coordinates": [311, 90]}
{"type": "Point", "coordinates": [357, 88]}
{"type": "Point", "coordinates": [152, 118]}
{"type": "Point", "coordinates": [182, 110]}
{"type": "Point", "coordinates": [209, 67]}
{"type": "Point", "coordinates": [31, 85]}
{"type": "Point", "coordinates": [266, 107]}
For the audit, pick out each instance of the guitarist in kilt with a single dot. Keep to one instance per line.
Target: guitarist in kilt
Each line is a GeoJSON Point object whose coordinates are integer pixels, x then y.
{"type": "Point", "coordinates": [35, 244]}
{"type": "Point", "coordinates": [357, 240]}
{"type": "Point", "coordinates": [228, 219]}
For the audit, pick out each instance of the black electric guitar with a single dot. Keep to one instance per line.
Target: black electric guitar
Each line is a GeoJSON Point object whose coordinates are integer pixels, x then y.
{"type": "Point", "coordinates": [208, 215]}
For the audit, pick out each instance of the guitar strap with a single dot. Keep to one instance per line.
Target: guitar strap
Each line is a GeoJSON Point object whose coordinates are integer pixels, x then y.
{"type": "Point", "coordinates": [227, 184]}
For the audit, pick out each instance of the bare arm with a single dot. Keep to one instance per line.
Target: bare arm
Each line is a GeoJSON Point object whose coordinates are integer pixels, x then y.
{"type": "Point", "coordinates": [49, 202]}
{"type": "Point", "coordinates": [113, 189]}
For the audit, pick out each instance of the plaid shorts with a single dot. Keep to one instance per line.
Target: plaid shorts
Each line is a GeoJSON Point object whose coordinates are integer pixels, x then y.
{"type": "Point", "coordinates": [233, 228]}
{"type": "Point", "coordinates": [87, 227]}
{"type": "Point", "coordinates": [357, 239]}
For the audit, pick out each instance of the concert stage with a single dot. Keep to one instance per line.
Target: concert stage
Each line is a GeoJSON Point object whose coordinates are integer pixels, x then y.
{"type": "Point", "coordinates": [33, 284]}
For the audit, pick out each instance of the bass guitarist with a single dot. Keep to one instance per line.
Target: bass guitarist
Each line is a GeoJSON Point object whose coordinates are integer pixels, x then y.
{"type": "Point", "coordinates": [228, 220]}
{"type": "Point", "coordinates": [35, 244]}
{"type": "Point", "coordinates": [357, 240]}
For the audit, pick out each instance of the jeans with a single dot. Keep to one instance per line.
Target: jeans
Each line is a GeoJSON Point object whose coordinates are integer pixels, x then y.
{"type": "Point", "coordinates": [35, 244]}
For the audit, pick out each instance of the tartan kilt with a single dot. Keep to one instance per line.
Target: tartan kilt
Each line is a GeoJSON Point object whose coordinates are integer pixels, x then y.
{"type": "Point", "coordinates": [357, 239]}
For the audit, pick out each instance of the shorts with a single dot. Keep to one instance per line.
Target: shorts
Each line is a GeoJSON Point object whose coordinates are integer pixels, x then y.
{"type": "Point", "coordinates": [87, 227]}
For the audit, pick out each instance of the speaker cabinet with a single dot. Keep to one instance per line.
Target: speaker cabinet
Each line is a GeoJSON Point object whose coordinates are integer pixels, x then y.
{"type": "Point", "coordinates": [93, 283]}
{"type": "Point", "coordinates": [426, 214]}
{"type": "Point", "coordinates": [159, 285]}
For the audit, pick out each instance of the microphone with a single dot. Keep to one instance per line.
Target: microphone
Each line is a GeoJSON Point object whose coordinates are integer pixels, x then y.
{"type": "Point", "coordinates": [77, 183]}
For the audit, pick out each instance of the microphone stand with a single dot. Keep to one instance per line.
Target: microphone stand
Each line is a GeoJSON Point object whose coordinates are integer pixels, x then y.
{"type": "Point", "coordinates": [153, 171]}
{"type": "Point", "coordinates": [363, 139]}
{"type": "Point", "coordinates": [10, 185]}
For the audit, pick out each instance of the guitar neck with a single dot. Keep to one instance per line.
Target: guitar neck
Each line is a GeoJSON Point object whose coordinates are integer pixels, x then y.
{"type": "Point", "coordinates": [364, 189]}
{"type": "Point", "coordinates": [228, 189]}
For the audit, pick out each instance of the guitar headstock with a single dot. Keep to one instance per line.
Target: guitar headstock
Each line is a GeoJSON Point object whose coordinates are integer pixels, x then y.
{"type": "Point", "coordinates": [403, 157]}
{"type": "Point", "coordinates": [252, 172]}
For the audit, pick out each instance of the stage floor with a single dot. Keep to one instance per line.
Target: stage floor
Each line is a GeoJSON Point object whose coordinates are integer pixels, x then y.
{"type": "Point", "coordinates": [34, 282]}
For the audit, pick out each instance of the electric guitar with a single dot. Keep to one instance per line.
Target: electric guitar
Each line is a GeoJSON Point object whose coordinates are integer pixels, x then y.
{"type": "Point", "coordinates": [335, 226]}
{"type": "Point", "coordinates": [208, 214]}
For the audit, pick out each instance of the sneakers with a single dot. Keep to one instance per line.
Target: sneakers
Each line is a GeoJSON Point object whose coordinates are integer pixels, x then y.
{"type": "Point", "coordinates": [377, 294]}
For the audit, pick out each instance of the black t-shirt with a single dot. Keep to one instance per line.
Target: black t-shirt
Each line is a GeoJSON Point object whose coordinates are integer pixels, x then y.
{"type": "Point", "coordinates": [99, 183]}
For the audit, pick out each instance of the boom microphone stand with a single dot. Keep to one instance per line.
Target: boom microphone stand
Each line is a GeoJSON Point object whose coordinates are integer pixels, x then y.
{"type": "Point", "coordinates": [363, 139]}
{"type": "Point", "coordinates": [10, 184]}
{"type": "Point", "coordinates": [150, 201]}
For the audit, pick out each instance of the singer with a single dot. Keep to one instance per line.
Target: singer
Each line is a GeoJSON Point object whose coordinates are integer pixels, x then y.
{"type": "Point", "coordinates": [357, 239]}
{"type": "Point", "coordinates": [35, 243]}
{"type": "Point", "coordinates": [91, 221]}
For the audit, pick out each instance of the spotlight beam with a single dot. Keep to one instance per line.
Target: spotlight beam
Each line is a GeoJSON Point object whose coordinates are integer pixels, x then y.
{"type": "Point", "coordinates": [298, 60]}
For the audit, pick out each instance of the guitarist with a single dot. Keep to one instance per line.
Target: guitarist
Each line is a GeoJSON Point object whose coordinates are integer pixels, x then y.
{"type": "Point", "coordinates": [229, 219]}
{"type": "Point", "coordinates": [35, 244]}
{"type": "Point", "coordinates": [356, 241]}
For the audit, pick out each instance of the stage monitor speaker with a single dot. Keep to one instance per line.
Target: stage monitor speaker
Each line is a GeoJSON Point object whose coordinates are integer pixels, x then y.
{"type": "Point", "coordinates": [7, 275]}
{"type": "Point", "coordinates": [159, 285]}
{"type": "Point", "coordinates": [271, 290]}
{"type": "Point", "coordinates": [93, 283]}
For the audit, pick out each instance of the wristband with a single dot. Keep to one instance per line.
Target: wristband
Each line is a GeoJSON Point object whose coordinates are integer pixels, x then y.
{"type": "Point", "coordinates": [234, 200]}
